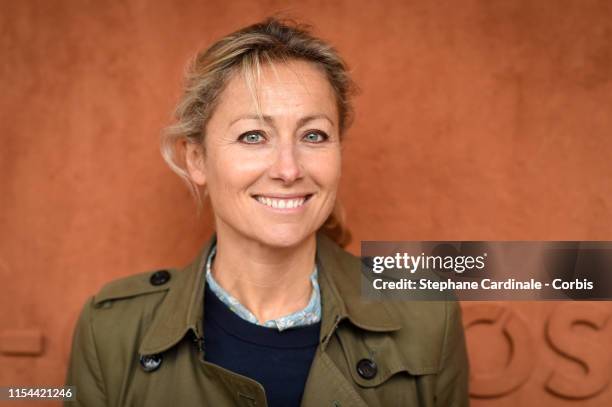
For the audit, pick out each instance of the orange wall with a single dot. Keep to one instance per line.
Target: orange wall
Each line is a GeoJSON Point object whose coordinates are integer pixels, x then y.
{"type": "Point", "coordinates": [479, 119]}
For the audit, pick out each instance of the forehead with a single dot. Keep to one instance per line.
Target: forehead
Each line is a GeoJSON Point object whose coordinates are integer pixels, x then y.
{"type": "Point", "coordinates": [291, 88]}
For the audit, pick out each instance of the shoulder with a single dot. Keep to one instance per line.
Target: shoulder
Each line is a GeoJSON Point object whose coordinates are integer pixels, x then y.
{"type": "Point", "coordinates": [127, 302]}
{"type": "Point", "coordinates": [137, 285]}
{"type": "Point", "coordinates": [111, 326]}
{"type": "Point", "coordinates": [117, 317]}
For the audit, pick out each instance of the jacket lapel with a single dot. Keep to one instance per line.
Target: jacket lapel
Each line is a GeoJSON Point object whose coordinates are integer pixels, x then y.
{"type": "Point", "coordinates": [182, 310]}
{"type": "Point", "coordinates": [340, 283]}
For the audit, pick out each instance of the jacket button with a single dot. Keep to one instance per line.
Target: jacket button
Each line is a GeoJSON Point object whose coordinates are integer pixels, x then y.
{"type": "Point", "coordinates": [160, 277]}
{"type": "Point", "coordinates": [150, 363]}
{"type": "Point", "coordinates": [367, 368]}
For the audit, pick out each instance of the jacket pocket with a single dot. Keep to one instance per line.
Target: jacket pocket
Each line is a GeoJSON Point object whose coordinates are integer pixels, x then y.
{"type": "Point", "coordinates": [381, 372]}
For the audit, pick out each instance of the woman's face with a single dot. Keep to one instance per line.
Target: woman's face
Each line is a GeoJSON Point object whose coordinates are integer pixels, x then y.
{"type": "Point", "coordinates": [274, 180]}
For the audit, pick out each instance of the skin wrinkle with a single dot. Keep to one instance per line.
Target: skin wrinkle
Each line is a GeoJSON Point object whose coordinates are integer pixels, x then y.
{"type": "Point", "coordinates": [270, 120]}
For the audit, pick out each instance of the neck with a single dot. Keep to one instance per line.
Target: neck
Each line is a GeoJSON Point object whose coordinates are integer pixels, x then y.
{"type": "Point", "coordinates": [271, 282]}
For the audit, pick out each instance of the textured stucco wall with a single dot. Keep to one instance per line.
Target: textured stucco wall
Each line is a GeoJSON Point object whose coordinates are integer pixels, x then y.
{"type": "Point", "coordinates": [478, 119]}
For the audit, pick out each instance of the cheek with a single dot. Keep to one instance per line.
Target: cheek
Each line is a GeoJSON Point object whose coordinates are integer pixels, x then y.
{"type": "Point", "coordinates": [325, 169]}
{"type": "Point", "coordinates": [231, 172]}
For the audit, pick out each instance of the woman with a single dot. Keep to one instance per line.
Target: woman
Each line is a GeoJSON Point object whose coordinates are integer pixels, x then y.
{"type": "Point", "coordinates": [269, 312]}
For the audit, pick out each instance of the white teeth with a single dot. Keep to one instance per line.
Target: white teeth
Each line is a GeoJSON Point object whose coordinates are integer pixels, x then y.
{"type": "Point", "coordinates": [281, 203]}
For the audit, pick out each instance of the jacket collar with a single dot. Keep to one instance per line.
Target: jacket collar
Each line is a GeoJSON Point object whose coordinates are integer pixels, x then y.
{"type": "Point", "coordinates": [182, 309]}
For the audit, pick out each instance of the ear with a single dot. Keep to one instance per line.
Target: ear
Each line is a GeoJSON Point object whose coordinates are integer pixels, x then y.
{"type": "Point", "coordinates": [195, 161]}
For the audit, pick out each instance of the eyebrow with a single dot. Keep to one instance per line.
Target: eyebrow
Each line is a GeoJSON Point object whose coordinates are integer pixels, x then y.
{"type": "Point", "coordinates": [270, 120]}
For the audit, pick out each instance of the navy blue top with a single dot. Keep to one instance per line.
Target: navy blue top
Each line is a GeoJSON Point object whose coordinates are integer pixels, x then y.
{"type": "Point", "coordinates": [279, 360]}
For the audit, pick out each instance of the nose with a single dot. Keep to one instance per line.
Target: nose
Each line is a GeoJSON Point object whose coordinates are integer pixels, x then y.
{"type": "Point", "coordinates": [286, 165]}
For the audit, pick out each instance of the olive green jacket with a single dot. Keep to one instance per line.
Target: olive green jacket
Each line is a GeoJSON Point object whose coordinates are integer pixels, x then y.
{"type": "Point", "coordinates": [414, 351]}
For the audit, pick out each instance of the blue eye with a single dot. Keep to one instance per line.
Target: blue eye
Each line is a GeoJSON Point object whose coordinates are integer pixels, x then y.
{"type": "Point", "coordinates": [252, 137]}
{"type": "Point", "coordinates": [315, 136]}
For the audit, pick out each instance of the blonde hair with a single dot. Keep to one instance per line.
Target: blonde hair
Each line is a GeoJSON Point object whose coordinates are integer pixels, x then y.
{"type": "Point", "coordinates": [272, 40]}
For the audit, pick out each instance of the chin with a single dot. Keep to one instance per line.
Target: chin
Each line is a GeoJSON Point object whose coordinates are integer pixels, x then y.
{"type": "Point", "coordinates": [283, 236]}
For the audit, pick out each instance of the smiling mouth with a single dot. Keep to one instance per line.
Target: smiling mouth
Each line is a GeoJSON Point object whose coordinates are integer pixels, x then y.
{"type": "Point", "coordinates": [293, 202]}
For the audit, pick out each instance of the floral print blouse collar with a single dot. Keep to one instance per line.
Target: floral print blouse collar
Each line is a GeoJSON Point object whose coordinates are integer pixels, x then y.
{"type": "Point", "coordinates": [309, 315]}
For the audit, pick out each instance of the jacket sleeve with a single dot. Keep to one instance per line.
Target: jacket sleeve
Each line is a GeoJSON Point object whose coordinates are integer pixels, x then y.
{"type": "Point", "coordinates": [452, 381]}
{"type": "Point", "coordinates": [84, 368]}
